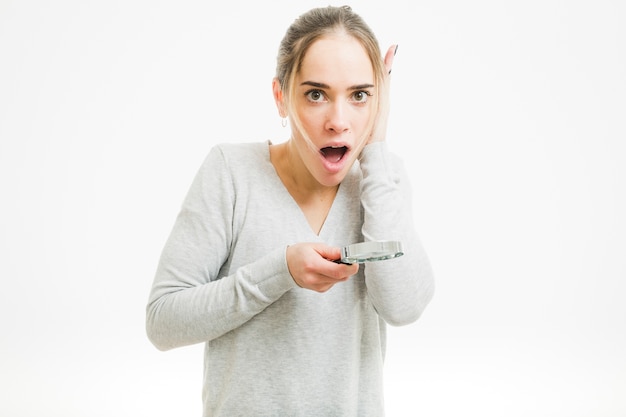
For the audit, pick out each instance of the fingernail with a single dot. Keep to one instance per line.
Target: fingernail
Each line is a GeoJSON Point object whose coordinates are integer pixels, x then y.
{"type": "Point", "coordinates": [395, 51]}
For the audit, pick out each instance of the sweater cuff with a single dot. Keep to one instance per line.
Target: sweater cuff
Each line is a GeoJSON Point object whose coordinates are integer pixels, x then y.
{"type": "Point", "coordinates": [276, 277]}
{"type": "Point", "coordinates": [375, 153]}
{"type": "Point", "coordinates": [376, 158]}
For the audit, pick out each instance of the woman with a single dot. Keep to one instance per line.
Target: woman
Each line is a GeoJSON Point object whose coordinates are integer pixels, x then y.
{"type": "Point", "coordinates": [248, 269]}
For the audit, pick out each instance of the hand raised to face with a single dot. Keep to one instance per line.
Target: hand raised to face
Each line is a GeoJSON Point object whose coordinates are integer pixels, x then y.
{"type": "Point", "coordinates": [379, 132]}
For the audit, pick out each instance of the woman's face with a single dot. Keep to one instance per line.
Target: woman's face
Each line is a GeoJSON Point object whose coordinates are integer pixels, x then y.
{"type": "Point", "coordinates": [334, 102]}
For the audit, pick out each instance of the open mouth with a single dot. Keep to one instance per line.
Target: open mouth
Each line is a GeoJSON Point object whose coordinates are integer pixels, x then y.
{"type": "Point", "coordinates": [334, 153]}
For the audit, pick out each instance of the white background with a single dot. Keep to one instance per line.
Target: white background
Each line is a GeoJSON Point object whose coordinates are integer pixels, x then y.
{"type": "Point", "coordinates": [510, 115]}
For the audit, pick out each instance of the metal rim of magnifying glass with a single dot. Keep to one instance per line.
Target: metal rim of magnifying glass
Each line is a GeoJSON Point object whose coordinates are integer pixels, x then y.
{"type": "Point", "coordinates": [371, 251]}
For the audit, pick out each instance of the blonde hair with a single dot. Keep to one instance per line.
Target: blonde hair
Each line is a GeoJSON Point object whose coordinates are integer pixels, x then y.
{"type": "Point", "coordinates": [308, 28]}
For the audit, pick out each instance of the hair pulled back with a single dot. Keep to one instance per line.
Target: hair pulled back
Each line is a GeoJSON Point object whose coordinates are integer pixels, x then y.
{"type": "Point", "coordinates": [312, 25]}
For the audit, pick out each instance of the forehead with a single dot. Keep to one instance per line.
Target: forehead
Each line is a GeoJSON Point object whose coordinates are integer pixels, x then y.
{"type": "Point", "coordinates": [339, 57]}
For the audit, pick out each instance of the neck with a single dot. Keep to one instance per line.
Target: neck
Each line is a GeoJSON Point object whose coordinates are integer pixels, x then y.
{"type": "Point", "coordinates": [295, 175]}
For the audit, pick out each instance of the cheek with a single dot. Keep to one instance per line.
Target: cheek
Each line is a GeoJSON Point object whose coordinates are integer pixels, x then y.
{"type": "Point", "coordinates": [310, 123]}
{"type": "Point", "coordinates": [311, 114]}
{"type": "Point", "coordinates": [308, 119]}
{"type": "Point", "coordinates": [361, 125]}
{"type": "Point", "coordinates": [361, 144]}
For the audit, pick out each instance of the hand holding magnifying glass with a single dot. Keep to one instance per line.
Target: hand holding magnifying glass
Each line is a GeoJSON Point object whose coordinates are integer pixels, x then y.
{"type": "Point", "coordinates": [370, 251]}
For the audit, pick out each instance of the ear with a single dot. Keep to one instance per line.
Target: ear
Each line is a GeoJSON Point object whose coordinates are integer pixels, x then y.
{"type": "Point", "coordinates": [278, 97]}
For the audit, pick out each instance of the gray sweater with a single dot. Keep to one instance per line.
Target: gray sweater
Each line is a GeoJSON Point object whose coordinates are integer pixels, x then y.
{"type": "Point", "coordinates": [271, 347]}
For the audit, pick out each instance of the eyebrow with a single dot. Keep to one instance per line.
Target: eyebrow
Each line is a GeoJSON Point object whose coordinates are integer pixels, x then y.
{"type": "Point", "coordinates": [326, 86]}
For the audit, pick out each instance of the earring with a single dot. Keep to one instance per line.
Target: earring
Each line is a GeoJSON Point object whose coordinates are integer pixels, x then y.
{"type": "Point", "coordinates": [283, 122]}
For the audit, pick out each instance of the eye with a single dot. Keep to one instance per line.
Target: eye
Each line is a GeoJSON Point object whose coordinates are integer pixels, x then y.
{"type": "Point", "coordinates": [361, 96]}
{"type": "Point", "coordinates": [316, 96]}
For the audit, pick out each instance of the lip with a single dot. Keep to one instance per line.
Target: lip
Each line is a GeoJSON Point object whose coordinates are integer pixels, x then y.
{"type": "Point", "coordinates": [335, 167]}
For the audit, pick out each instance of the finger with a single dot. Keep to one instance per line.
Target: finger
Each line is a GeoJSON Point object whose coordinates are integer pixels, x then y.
{"type": "Point", "coordinates": [339, 271]}
{"type": "Point", "coordinates": [328, 252]}
{"type": "Point", "coordinates": [391, 53]}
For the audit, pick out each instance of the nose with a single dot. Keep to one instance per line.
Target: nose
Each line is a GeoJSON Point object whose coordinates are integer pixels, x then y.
{"type": "Point", "coordinates": [337, 120]}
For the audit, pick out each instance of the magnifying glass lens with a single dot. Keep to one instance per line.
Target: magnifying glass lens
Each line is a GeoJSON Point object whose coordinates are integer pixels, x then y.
{"type": "Point", "coordinates": [370, 251]}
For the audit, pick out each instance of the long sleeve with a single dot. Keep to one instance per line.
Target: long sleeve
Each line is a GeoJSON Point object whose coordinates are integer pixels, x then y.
{"type": "Point", "coordinates": [223, 279]}
{"type": "Point", "coordinates": [400, 289]}
{"type": "Point", "coordinates": [190, 301]}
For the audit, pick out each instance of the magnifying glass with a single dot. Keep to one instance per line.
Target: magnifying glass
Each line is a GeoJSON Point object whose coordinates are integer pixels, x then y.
{"type": "Point", "coordinates": [358, 253]}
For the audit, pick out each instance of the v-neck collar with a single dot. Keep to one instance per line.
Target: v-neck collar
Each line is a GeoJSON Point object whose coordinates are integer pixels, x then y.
{"type": "Point", "coordinates": [328, 226]}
